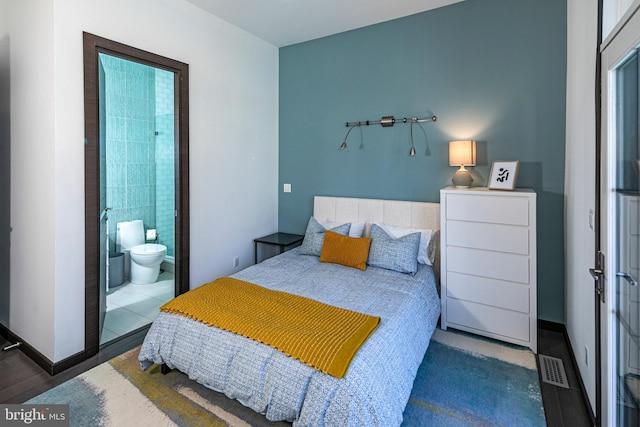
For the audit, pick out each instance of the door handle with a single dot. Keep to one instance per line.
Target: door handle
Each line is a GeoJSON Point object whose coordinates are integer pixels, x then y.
{"type": "Point", "coordinates": [598, 276]}
{"type": "Point", "coordinates": [596, 273]}
{"type": "Point", "coordinates": [627, 277]}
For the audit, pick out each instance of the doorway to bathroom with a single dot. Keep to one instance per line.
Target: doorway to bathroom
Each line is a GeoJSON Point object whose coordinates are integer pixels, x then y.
{"type": "Point", "coordinates": [139, 170]}
{"type": "Point", "coordinates": [136, 187]}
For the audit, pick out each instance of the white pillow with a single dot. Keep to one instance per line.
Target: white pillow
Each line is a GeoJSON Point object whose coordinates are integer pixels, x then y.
{"type": "Point", "coordinates": [356, 230]}
{"type": "Point", "coordinates": [425, 238]}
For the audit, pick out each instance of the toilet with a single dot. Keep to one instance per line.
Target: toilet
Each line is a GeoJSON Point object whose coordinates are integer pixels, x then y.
{"type": "Point", "coordinates": [141, 260]}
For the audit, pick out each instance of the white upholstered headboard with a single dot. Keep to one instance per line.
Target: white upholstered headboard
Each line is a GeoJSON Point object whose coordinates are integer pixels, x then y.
{"type": "Point", "coordinates": [423, 215]}
{"type": "Point", "coordinates": [391, 212]}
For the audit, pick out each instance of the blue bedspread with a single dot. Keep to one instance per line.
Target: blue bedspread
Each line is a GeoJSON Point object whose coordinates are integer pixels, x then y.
{"type": "Point", "coordinates": [376, 388]}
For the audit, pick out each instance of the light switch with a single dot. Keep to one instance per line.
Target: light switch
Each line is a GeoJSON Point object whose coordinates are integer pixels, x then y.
{"type": "Point", "coordinates": [287, 188]}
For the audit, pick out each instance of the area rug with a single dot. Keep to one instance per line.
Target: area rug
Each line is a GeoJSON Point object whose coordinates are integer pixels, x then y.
{"type": "Point", "coordinates": [463, 381]}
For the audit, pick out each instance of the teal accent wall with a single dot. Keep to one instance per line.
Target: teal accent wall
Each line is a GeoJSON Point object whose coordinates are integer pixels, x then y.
{"type": "Point", "coordinates": [139, 147]}
{"type": "Point", "coordinates": [490, 70]}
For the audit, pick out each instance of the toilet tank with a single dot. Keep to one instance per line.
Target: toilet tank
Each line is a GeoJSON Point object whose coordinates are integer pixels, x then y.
{"type": "Point", "coordinates": [129, 234]}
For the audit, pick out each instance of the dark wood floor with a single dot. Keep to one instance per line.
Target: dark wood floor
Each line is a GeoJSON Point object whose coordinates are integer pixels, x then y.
{"type": "Point", "coordinates": [563, 407]}
{"type": "Point", "coordinates": [21, 379]}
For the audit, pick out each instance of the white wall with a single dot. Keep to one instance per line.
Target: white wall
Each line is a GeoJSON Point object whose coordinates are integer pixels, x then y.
{"type": "Point", "coordinates": [580, 184]}
{"type": "Point", "coordinates": [233, 148]}
{"type": "Point", "coordinates": [5, 169]}
{"type": "Point", "coordinates": [29, 28]}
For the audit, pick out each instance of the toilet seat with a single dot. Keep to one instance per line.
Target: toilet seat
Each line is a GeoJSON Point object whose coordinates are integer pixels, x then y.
{"type": "Point", "coordinates": [148, 249]}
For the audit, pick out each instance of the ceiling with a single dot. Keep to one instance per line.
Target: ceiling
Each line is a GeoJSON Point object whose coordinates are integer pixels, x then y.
{"type": "Point", "coordinates": [286, 22]}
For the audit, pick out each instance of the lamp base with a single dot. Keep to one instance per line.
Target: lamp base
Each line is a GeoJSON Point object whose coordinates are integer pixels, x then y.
{"type": "Point", "coordinates": [462, 179]}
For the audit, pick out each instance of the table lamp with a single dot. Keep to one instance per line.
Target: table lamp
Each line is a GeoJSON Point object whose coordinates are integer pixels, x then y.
{"type": "Point", "coordinates": [462, 153]}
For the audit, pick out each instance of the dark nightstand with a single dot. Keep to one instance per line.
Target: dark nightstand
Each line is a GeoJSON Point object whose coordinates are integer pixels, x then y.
{"type": "Point", "coordinates": [283, 240]}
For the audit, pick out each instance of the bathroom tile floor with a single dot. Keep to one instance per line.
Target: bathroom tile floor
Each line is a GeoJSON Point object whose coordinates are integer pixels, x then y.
{"type": "Point", "coordinates": [131, 306]}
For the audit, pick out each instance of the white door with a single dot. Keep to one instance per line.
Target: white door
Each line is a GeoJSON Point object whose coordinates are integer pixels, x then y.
{"type": "Point", "coordinates": [620, 226]}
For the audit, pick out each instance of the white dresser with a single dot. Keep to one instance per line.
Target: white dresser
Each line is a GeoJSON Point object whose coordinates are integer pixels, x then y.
{"type": "Point", "coordinates": [488, 263]}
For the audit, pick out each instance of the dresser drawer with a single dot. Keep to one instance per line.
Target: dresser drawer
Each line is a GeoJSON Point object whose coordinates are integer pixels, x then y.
{"type": "Point", "coordinates": [488, 319]}
{"type": "Point", "coordinates": [483, 290]}
{"type": "Point", "coordinates": [493, 237]}
{"type": "Point", "coordinates": [488, 208]}
{"type": "Point", "coordinates": [495, 265]}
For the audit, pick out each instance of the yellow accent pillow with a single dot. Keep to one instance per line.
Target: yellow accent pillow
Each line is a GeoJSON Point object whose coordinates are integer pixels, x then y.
{"type": "Point", "coordinates": [345, 250]}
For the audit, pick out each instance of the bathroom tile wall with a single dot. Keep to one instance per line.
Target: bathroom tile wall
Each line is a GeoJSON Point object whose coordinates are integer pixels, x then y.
{"type": "Point", "coordinates": [164, 156]}
{"type": "Point", "coordinates": [130, 140]}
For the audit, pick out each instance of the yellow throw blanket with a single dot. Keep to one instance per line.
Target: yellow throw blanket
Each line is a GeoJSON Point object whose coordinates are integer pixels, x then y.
{"type": "Point", "coordinates": [317, 334]}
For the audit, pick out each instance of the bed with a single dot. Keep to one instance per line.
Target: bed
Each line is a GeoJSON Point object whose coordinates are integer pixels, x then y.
{"type": "Point", "coordinates": [376, 387]}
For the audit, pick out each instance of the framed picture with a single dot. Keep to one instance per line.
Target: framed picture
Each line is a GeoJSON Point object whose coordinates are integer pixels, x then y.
{"type": "Point", "coordinates": [503, 174]}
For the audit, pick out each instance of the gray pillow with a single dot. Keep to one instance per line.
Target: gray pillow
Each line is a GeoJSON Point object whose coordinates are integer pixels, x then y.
{"type": "Point", "coordinates": [399, 254]}
{"type": "Point", "coordinates": [314, 236]}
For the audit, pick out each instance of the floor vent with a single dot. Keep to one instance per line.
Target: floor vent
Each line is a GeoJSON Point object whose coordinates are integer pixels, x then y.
{"type": "Point", "coordinates": [553, 371]}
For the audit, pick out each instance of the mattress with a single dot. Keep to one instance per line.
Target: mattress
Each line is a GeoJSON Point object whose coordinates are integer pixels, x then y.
{"type": "Point", "coordinates": [377, 385]}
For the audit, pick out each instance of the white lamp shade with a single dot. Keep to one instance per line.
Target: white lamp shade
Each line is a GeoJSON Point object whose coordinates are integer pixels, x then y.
{"type": "Point", "coordinates": [462, 153]}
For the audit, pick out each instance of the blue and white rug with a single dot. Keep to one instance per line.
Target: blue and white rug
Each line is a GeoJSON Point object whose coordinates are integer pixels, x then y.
{"type": "Point", "coordinates": [470, 381]}
{"type": "Point", "coordinates": [463, 381]}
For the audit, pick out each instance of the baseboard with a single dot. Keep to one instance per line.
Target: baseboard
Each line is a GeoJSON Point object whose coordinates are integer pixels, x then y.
{"type": "Point", "coordinates": [560, 327]}
{"type": "Point", "coordinates": [67, 363]}
{"type": "Point", "coordinates": [40, 359]}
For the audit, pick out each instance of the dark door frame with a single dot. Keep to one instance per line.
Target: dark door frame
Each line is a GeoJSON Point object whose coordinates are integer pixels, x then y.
{"type": "Point", "coordinates": [92, 46]}
{"type": "Point", "coordinates": [598, 215]}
